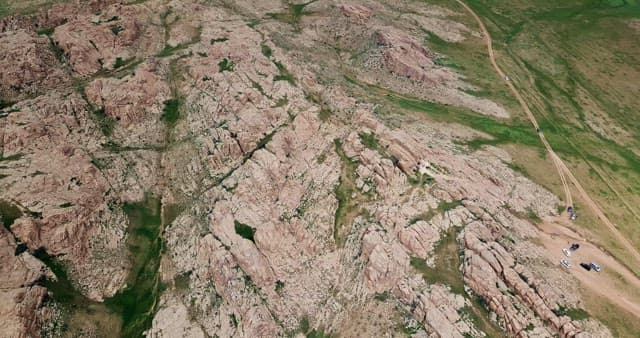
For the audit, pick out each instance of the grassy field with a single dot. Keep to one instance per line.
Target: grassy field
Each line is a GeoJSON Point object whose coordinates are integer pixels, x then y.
{"type": "Point", "coordinates": [8, 7]}
{"type": "Point", "coordinates": [577, 65]}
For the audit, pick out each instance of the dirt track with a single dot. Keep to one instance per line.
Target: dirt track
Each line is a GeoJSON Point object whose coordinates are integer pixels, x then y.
{"type": "Point", "coordinates": [615, 282]}
{"type": "Point", "coordinates": [563, 170]}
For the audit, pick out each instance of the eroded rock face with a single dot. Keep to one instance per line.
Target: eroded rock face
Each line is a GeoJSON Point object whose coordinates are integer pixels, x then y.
{"type": "Point", "coordinates": [28, 65]}
{"type": "Point", "coordinates": [94, 43]}
{"type": "Point", "coordinates": [20, 297]}
{"type": "Point", "coordinates": [404, 56]}
{"type": "Point", "coordinates": [358, 13]}
{"type": "Point", "coordinates": [289, 204]}
{"type": "Point", "coordinates": [62, 194]}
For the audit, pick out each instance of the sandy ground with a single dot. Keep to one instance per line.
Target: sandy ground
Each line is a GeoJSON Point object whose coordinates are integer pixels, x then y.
{"type": "Point", "coordinates": [615, 282]}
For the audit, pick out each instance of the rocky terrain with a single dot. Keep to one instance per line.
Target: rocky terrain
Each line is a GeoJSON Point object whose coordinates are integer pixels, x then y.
{"type": "Point", "coordinates": [213, 168]}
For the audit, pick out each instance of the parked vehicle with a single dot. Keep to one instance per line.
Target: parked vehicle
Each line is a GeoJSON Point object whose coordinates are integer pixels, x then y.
{"type": "Point", "coordinates": [566, 252]}
{"type": "Point", "coordinates": [565, 263]}
{"type": "Point", "coordinates": [586, 266]}
{"type": "Point", "coordinates": [595, 266]}
{"type": "Point", "coordinates": [575, 246]}
{"type": "Point", "coordinates": [570, 209]}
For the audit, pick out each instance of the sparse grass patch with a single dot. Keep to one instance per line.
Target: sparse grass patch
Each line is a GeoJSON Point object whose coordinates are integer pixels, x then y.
{"type": "Point", "coordinates": [212, 41]}
{"type": "Point", "coordinates": [170, 50]}
{"type": "Point", "coordinates": [119, 63]}
{"type": "Point", "coordinates": [573, 313]}
{"type": "Point", "coordinates": [104, 121]}
{"type": "Point", "coordinates": [344, 192]}
{"type": "Point", "coordinates": [279, 286]}
{"type": "Point", "coordinates": [324, 114]}
{"type": "Point", "coordinates": [9, 212]}
{"type": "Point", "coordinates": [284, 74]}
{"type": "Point", "coordinates": [293, 14]}
{"type": "Point", "coordinates": [370, 141]}
{"type": "Point", "coordinates": [117, 29]}
{"type": "Point", "coordinates": [266, 51]}
{"type": "Point", "coordinates": [45, 31]}
{"type": "Point", "coordinates": [225, 65]}
{"type": "Point", "coordinates": [382, 296]}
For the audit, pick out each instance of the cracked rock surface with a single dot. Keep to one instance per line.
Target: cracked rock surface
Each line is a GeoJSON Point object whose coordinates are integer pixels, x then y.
{"type": "Point", "coordinates": [204, 169]}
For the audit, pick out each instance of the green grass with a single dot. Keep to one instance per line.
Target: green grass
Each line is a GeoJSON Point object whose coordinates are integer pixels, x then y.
{"type": "Point", "coordinates": [120, 62]}
{"type": "Point", "coordinates": [212, 41]}
{"type": "Point", "coordinates": [245, 231]}
{"type": "Point", "coordinates": [105, 122]}
{"type": "Point", "coordinates": [293, 14]}
{"type": "Point", "coordinates": [138, 302]}
{"type": "Point", "coordinates": [370, 141]}
{"type": "Point", "coordinates": [344, 192]}
{"type": "Point", "coordinates": [170, 50]}
{"type": "Point", "coordinates": [116, 30]}
{"type": "Point", "coordinates": [225, 65]}
{"type": "Point", "coordinates": [573, 313]}
{"type": "Point", "coordinates": [284, 74]}
{"type": "Point", "coordinates": [14, 157]}
{"type": "Point", "coordinates": [446, 272]}
{"type": "Point", "coordinates": [171, 111]}
{"type": "Point", "coordinates": [9, 212]}
{"type": "Point", "coordinates": [446, 264]}
{"type": "Point", "coordinates": [266, 51]}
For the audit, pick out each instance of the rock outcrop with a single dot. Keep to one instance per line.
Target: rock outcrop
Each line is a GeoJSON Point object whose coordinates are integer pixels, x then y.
{"type": "Point", "coordinates": [28, 65]}
{"type": "Point", "coordinates": [289, 204]}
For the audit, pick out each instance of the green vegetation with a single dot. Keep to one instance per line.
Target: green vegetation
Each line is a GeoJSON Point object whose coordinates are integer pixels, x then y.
{"type": "Point", "coordinates": [318, 334]}
{"type": "Point", "coordinates": [370, 141]}
{"type": "Point", "coordinates": [573, 313]}
{"type": "Point", "coordinates": [266, 51]}
{"type": "Point", "coordinates": [171, 111]}
{"type": "Point", "coordinates": [446, 264]}
{"type": "Point", "coordinates": [105, 122]}
{"type": "Point", "coordinates": [279, 286]}
{"type": "Point", "coordinates": [24, 7]}
{"type": "Point", "coordinates": [14, 157]}
{"type": "Point", "coordinates": [45, 31]}
{"type": "Point", "coordinates": [130, 311]}
{"type": "Point", "coordinates": [443, 207]}
{"type": "Point", "coordinates": [382, 296]}
{"type": "Point", "coordinates": [244, 231]}
{"type": "Point", "coordinates": [304, 325]}
{"type": "Point", "coordinates": [293, 14]}
{"type": "Point", "coordinates": [5, 104]}
{"type": "Point", "coordinates": [284, 74]}
{"type": "Point", "coordinates": [138, 302]}
{"type": "Point", "coordinates": [170, 50]}
{"type": "Point", "coordinates": [119, 63]}
{"type": "Point", "coordinates": [212, 41]}
{"type": "Point", "coordinates": [9, 212]}
{"type": "Point", "coordinates": [347, 207]}
{"type": "Point", "coordinates": [225, 65]}
{"type": "Point", "coordinates": [116, 29]}
{"type": "Point", "coordinates": [181, 281]}
{"type": "Point", "coordinates": [446, 272]}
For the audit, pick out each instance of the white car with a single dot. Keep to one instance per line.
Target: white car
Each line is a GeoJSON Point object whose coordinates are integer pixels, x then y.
{"type": "Point", "coordinates": [566, 252]}
{"type": "Point", "coordinates": [595, 267]}
{"type": "Point", "coordinates": [565, 263]}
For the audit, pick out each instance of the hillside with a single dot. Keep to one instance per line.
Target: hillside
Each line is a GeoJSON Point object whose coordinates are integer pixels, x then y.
{"type": "Point", "coordinates": [215, 168]}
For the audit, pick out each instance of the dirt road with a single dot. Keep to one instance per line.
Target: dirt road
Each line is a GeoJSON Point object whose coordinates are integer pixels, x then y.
{"type": "Point", "coordinates": [563, 170]}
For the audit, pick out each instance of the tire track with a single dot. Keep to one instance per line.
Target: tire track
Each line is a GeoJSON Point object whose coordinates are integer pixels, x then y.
{"type": "Point", "coordinates": [563, 171]}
